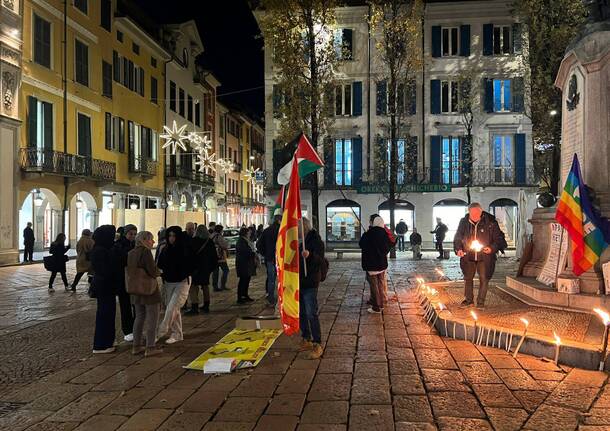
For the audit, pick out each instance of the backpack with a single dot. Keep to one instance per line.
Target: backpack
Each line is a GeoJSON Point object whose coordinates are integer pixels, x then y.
{"type": "Point", "coordinates": [324, 268]}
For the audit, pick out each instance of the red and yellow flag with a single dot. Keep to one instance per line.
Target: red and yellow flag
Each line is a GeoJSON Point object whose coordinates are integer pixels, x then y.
{"type": "Point", "coordinates": [287, 256]}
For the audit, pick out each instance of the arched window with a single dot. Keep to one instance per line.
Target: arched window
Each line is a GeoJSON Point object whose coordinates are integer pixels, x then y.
{"type": "Point", "coordinates": [404, 210]}
{"type": "Point", "coordinates": [450, 211]}
{"type": "Point", "coordinates": [506, 212]}
{"type": "Point", "coordinates": [343, 221]}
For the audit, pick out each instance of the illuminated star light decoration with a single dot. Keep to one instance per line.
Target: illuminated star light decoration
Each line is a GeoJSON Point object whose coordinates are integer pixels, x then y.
{"type": "Point", "coordinates": [174, 137]}
{"type": "Point", "coordinates": [250, 174]}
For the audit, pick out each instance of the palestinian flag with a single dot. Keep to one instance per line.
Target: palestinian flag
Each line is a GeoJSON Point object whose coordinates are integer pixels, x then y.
{"type": "Point", "coordinates": [287, 257]}
{"type": "Point", "coordinates": [307, 158]}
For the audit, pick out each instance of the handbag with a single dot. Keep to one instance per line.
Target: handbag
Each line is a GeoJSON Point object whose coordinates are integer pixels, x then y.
{"type": "Point", "coordinates": [138, 282]}
{"type": "Point", "coordinates": [48, 263]}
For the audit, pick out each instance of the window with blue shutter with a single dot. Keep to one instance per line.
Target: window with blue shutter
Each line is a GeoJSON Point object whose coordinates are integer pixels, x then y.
{"type": "Point", "coordinates": [32, 121]}
{"type": "Point", "coordinates": [518, 96]}
{"type": "Point", "coordinates": [344, 158]}
{"type": "Point", "coordinates": [488, 39]}
{"type": "Point", "coordinates": [411, 156]}
{"type": "Point", "coordinates": [382, 98]}
{"type": "Point", "coordinates": [357, 100]}
{"type": "Point", "coordinates": [329, 164]}
{"type": "Point", "coordinates": [465, 40]}
{"type": "Point", "coordinates": [436, 41]}
{"type": "Point", "coordinates": [357, 160]}
{"type": "Point", "coordinates": [520, 168]}
{"type": "Point", "coordinates": [84, 135]}
{"type": "Point", "coordinates": [435, 96]}
{"type": "Point", "coordinates": [344, 44]}
{"type": "Point", "coordinates": [488, 95]}
{"type": "Point", "coordinates": [435, 159]}
{"type": "Point", "coordinates": [42, 41]}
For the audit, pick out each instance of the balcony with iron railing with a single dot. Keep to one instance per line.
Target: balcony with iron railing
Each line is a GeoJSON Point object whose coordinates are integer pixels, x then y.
{"type": "Point", "coordinates": [190, 175]}
{"type": "Point", "coordinates": [143, 166]}
{"type": "Point", "coordinates": [33, 159]}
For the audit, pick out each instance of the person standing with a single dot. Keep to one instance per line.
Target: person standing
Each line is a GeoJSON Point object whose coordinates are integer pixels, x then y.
{"type": "Point", "coordinates": [479, 257]}
{"type": "Point", "coordinates": [28, 243]}
{"type": "Point", "coordinates": [439, 236]}
{"type": "Point", "coordinates": [104, 289]}
{"type": "Point", "coordinates": [160, 242]}
{"type": "Point", "coordinates": [312, 255]}
{"type": "Point", "coordinates": [141, 268]}
{"type": "Point", "coordinates": [222, 251]}
{"type": "Point", "coordinates": [266, 247]}
{"type": "Point", "coordinates": [375, 245]}
{"type": "Point", "coordinates": [83, 248]}
{"type": "Point", "coordinates": [259, 231]}
{"type": "Point", "coordinates": [416, 240]}
{"type": "Point", "coordinates": [245, 265]}
{"type": "Point", "coordinates": [121, 248]}
{"type": "Point", "coordinates": [58, 260]}
{"type": "Point", "coordinates": [205, 262]}
{"type": "Point", "coordinates": [401, 231]}
{"type": "Point", "coordinates": [176, 268]}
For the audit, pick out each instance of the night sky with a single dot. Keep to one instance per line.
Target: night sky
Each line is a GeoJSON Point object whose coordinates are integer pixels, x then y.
{"type": "Point", "coordinates": [232, 50]}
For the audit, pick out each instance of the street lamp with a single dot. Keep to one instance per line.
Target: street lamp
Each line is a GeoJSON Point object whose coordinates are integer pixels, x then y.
{"type": "Point", "coordinates": [553, 112]}
{"type": "Point", "coordinates": [79, 203]}
{"type": "Point", "coordinates": [38, 200]}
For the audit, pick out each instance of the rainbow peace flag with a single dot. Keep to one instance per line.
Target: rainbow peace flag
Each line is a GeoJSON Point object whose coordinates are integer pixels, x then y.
{"type": "Point", "coordinates": [575, 213]}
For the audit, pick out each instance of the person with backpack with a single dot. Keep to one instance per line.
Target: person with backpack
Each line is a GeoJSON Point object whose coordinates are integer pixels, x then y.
{"type": "Point", "coordinates": [375, 245]}
{"type": "Point", "coordinates": [205, 261]}
{"type": "Point", "coordinates": [312, 261]}
{"type": "Point", "coordinates": [439, 236]}
{"type": "Point", "coordinates": [222, 252]}
{"type": "Point", "coordinates": [57, 261]}
{"type": "Point", "coordinates": [120, 249]}
{"type": "Point", "coordinates": [401, 231]}
{"type": "Point", "coordinates": [266, 247]}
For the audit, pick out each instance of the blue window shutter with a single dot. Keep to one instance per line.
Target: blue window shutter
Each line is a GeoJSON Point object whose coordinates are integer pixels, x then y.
{"type": "Point", "coordinates": [382, 105]}
{"type": "Point", "coordinates": [357, 160]}
{"type": "Point", "coordinates": [48, 126]}
{"type": "Point", "coordinates": [520, 174]}
{"type": "Point", "coordinates": [32, 121]}
{"type": "Point", "coordinates": [329, 163]}
{"type": "Point", "coordinates": [517, 38]}
{"type": "Point", "coordinates": [357, 100]}
{"type": "Point", "coordinates": [411, 160]}
{"type": "Point", "coordinates": [436, 41]}
{"type": "Point", "coordinates": [465, 40]}
{"type": "Point", "coordinates": [435, 96]}
{"type": "Point", "coordinates": [488, 95]}
{"type": "Point", "coordinates": [518, 89]}
{"type": "Point", "coordinates": [435, 159]}
{"type": "Point", "coordinates": [488, 39]}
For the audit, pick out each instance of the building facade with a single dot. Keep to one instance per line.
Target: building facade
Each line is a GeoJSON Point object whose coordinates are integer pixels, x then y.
{"type": "Point", "coordinates": [478, 38]}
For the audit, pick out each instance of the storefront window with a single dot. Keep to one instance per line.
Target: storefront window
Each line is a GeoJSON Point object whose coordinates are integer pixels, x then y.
{"type": "Point", "coordinates": [342, 221]}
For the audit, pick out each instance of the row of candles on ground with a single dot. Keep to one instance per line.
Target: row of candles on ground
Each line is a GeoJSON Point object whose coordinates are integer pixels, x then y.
{"type": "Point", "coordinates": [433, 309]}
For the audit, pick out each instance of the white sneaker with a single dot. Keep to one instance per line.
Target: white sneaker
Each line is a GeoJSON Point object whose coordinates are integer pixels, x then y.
{"type": "Point", "coordinates": [370, 310]}
{"type": "Point", "coordinates": [171, 340]}
{"type": "Point", "coordinates": [108, 350]}
{"type": "Point", "coordinates": [128, 337]}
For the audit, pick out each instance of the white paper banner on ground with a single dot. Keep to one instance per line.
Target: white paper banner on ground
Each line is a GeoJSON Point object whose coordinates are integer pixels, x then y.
{"type": "Point", "coordinates": [606, 272]}
{"type": "Point", "coordinates": [556, 259]}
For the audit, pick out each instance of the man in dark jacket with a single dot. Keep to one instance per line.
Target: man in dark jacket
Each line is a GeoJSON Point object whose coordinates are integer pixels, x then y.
{"type": "Point", "coordinates": [476, 242]}
{"type": "Point", "coordinates": [120, 249]}
{"type": "Point", "coordinates": [266, 246]}
{"type": "Point", "coordinates": [415, 240]}
{"type": "Point", "coordinates": [439, 236]}
{"type": "Point", "coordinates": [28, 243]}
{"type": "Point", "coordinates": [401, 231]}
{"type": "Point", "coordinates": [375, 245]}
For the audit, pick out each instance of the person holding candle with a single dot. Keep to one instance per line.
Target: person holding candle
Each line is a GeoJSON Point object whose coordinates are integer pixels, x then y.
{"type": "Point", "coordinates": [476, 242]}
{"type": "Point", "coordinates": [375, 245]}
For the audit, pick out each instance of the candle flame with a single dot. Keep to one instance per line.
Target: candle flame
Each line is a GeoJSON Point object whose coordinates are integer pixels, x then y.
{"type": "Point", "coordinates": [433, 291]}
{"type": "Point", "coordinates": [441, 306]}
{"type": "Point", "coordinates": [557, 339]}
{"type": "Point", "coordinates": [439, 272]}
{"type": "Point", "coordinates": [525, 321]}
{"type": "Point", "coordinates": [604, 315]}
{"type": "Point", "coordinates": [476, 246]}
{"type": "Point", "coordinates": [474, 315]}
{"type": "Point", "coordinates": [420, 280]}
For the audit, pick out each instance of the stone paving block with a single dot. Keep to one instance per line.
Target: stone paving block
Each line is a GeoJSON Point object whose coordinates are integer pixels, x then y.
{"type": "Point", "coordinates": [66, 374]}
{"type": "Point", "coordinates": [444, 380]}
{"type": "Point", "coordinates": [492, 351]}
{"type": "Point", "coordinates": [371, 370]}
{"type": "Point", "coordinates": [435, 358]}
{"type": "Point", "coordinates": [552, 418]}
{"type": "Point", "coordinates": [370, 391]}
{"type": "Point", "coordinates": [573, 397]}
{"type": "Point", "coordinates": [58, 397]}
{"type": "Point", "coordinates": [244, 409]}
{"type": "Point", "coordinates": [325, 412]}
{"type": "Point", "coordinates": [373, 330]}
{"type": "Point", "coordinates": [223, 383]}
{"type": "Point", "coordinates": [371, 417]}
{"type": "Point", "coordinates": [478, 372]}
{"type": "Point", "coordinates": [258, 386]}
{"type": "Point", "coordinates": [414, 426]}
{"type": "Point", "coordinates": [275, 364]}
{"type": "Point", "coordinates": [296, 382]}
{"type": "Point", "coordinates": [371, 356]}
{"type": "Point", "coordinates": [586, 378]}
{"type": "Point", "coordinates": [395, 333]}
{"type": "Point", "coordinates": [518, 380]}
{"type": "Point", "coordinates": [277, 423]}
{"type": "Point", "coordinates": [339, 352]}
{"type": "Point", "coordinates": [98, 374]}
{"type": "Point", "coordinates": [30, 392]}
{"type": "Point", "coordinates": [465, 354]}
{"type": "Point", "coordinates": [203, 401]}
{"type": "Point", "coordinates": [102, 423]}
{"type": "Point", "coordinates": [127, 378]}
{"type": "Point", "coordinates": [530, 400]}
{"type": "Point", "coordinates": [84, 407]}
{"type": "Point", "coordinates": [603, 401]}
{"type": "Point", "coordinates": [21, 419]}
{"type": "Point", "coordinates": [494, 395]}
{"type": "Point", "coordinates": [597, 416]}
{"type": "Point", "coordinates": [185, 421]}
{"type": "Point", "coordinates": [427, 342]}
{"type": "Point", "coordinates": [228, 426]}
{"type": "Point", "coordinates": [305, 364]}
{"type": "Point", "coordinates": [322, 427]}
{"type": "Point", "coordinates": [399, 353]}
{"type": "Point", "coordinates": [286, 404]}
{"type": "Point", "coordinates": [463, 424]}
{"type": "Point", "coordinates": [502, 361]}
{"type": "Point", "coordinates": [169, 398]}
{"type": "Point", "coordinates": [342, 341]}
{"type": "Point", "coordinates": [593, 428]}
{"type": "Point", "coordinates": [531, 363]}
{"type": "Point", "coordinates": [191, 380]}
{"type": "Point", "coordinates": [371, 342]}
{"type": "Point", "coordinates": [506, 419]}
{"type": "Point", "coordinates": [407, 384]}
{"type": "Point", "coordinates": [336, 365]}
{"type": "Point", "coordinates": [163, 377]}
{"type": "Point", "coordinates": [330, 387]}
{"type": "Point", "coordinates": [548, 375]}
{"type": "Point", "coordinates": [129, 402]}
{"type": "Point", "coordinates": [412, 408]}
{"type": "Point", "coordinates": [420, 329]}
{"type": "Point", "coordinates": [403, 366]}
{"type": "Point", "coordinates": [455, 404]}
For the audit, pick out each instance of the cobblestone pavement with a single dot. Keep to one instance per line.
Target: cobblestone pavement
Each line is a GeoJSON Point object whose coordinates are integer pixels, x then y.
{"type": "Point", "coordinates": [378, 372]}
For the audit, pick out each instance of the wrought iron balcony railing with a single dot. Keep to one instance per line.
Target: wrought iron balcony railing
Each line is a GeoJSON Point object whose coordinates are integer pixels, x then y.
{"type": "Point", "coordinates": [65, 164]}
{"type": "Point", "coordinates": [190, 175]}
{"type": "Point", "coordinates": [142, 165]}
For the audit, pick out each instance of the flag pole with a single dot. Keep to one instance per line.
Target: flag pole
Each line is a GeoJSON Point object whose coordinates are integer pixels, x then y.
{"type": "Point", "coordinates": [303, 239]}
{"type": "Point", "coordinates": [559, 257]}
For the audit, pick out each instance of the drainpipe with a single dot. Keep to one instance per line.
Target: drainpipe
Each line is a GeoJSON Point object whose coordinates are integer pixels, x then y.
{"type": "Point", "coordinates": [368, 105]}
{"type": "Point", "coordinates": [423, 93]}
{"type": "Point", "coordinates": [64, 81]}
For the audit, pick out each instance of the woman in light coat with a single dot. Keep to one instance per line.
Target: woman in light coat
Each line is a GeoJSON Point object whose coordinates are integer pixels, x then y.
{"type": "Point", "coordinates": [83, 264]}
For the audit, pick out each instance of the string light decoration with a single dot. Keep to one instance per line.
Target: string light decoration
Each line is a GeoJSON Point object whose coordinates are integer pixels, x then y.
{"type": "Point", "coordinates": [174, 138]}
{"type": "Point", "coordinates": [250, 174]}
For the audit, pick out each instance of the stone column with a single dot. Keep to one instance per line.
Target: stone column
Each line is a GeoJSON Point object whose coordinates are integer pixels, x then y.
{"type": "Point", "coordinates": [142, 213]}
{"type": "Point", "coordinates": [119, 208]}
{"type": "Point", "coordinates": [95, 218]}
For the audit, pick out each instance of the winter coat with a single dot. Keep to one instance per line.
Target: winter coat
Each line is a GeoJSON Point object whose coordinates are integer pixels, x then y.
{"type": "Point", "coordinates": [205, 260]}
{"type": "Point", "coordinates": [83, 248]}
{"type": "Point", "coordinates": [175, 259]}
{"type": "Point", "coordinates": [315, 246]}
{"type": "Point", "coordinates": [375, 245]}
{"type": "Point", "coordinates": [266, 243]}
{"type": "Point", "coordinates": [102, 262]}
{"type": "Point", "coordinates": [402, 228]}
{"type": "Point", "coordinates": [120, 249]}
{"type": "Point", "coordinates": [440, 231]}
{"type": "Point", "coordinates": [245, 258]}
{"type": "Point", "coordinates": [222, 246]}
{"type": "Point", "coordinates": [486, 231]}
{"type": "Point", "coordinates": [28, 236]}
{"type": "Point", "coordinates": [58, 253]}
{"type": "Point", "coordinates": [141, 257]}
{"type": "Point", "coordinates": [415, 239]}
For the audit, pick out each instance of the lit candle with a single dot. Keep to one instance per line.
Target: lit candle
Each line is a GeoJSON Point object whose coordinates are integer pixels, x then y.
{"type": "Point", "coordinates": [606, 319]}
{"type": "Point", "coordinates": [440, 273]}
{"type": "Point", "coordinates": [475, 318]}
{"type": "Point", "coordinates": [557, 345]}
{"type": "Point", "coordinates": [526, 324]}
{"type": "Point", "coordinates": [476, 246]}
{"type": "Point", "coordinates": [441, 307]}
